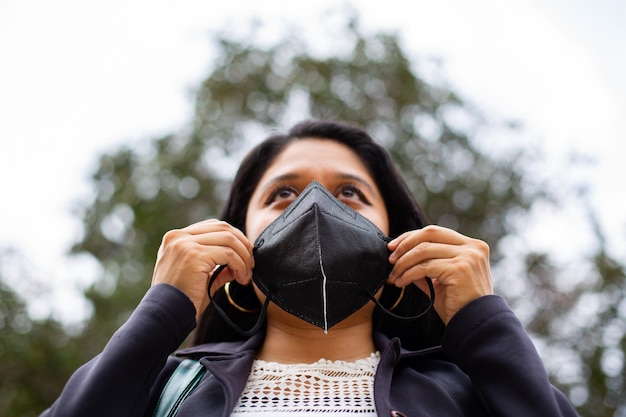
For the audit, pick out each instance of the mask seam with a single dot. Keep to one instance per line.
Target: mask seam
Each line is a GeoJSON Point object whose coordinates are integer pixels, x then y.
{"type": "Point", "coordinates": [324, 278]}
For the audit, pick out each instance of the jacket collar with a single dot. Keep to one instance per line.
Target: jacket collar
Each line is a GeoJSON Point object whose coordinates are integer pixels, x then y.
{"type": "Point", "coordinates": [223, 348]}
{"type": "Point", "coordinates": [381, 341]}
{"type": "Point", "coordinates": [230, 363]}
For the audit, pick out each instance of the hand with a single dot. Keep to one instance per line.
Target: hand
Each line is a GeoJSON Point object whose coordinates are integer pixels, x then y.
{"type": "Point", "coordinates": [458, 266]}
{"type": "Point", "coordinates": [188, 256]}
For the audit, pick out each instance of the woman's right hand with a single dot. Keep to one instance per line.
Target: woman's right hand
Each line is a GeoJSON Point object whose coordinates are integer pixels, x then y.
{"type": "Point", "coordinates": [187, 258]}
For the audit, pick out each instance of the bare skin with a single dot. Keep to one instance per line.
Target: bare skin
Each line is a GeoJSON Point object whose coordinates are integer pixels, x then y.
{"type": "Point", "coordinates": [188, 256]}
{"type": "Point", "coordinates": [458, 264]}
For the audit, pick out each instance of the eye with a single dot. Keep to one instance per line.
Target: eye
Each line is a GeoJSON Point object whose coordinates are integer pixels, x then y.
{"type": "Point", "coordinates": [348, 192]}
{"type": "Point", "coordinates": [282, 193]}
{"type": "Point", "coordinates": [352, 192]}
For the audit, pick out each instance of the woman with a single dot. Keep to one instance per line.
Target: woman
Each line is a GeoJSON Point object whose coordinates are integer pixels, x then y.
{"type": "Point", "coordinates": [468, 355]}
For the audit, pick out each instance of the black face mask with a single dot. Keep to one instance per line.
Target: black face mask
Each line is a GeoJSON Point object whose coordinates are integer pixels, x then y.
{"type": "Point", "coordinates": [320, 260]}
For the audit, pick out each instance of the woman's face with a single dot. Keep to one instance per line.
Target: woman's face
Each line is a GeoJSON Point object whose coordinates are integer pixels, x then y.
{"type": "Point", "coordinates": [328, 162]}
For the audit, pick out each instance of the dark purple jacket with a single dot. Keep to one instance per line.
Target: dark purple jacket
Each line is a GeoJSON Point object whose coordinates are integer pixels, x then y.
{"type": "Point", "coordinates": [487, 366]}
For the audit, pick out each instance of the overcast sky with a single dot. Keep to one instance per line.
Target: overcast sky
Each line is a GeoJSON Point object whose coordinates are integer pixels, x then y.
{"type": "Point", "coordinates": [78, 78]}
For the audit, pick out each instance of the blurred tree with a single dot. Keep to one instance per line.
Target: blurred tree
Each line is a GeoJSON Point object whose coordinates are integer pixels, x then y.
{"type": "Point", "coordinates": [170, 182]}
{"type": "Point", "coordinates": [182, 178]}
{"type": "Point", "coordinates": [368, 80]}
{"type": "Point", "coordinates": [36, 356]}
{"type": "Point", "coordinates": [585, 328]}
{"type": "Point", "coordinates": [601, 342]}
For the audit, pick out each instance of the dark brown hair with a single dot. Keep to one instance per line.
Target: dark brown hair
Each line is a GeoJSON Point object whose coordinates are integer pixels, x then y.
{"type": "Point", "coordinates": [403, 211]}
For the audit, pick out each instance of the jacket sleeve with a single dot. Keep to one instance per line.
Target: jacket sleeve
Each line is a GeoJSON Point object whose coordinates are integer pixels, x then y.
{"type": "Point", "coordinates": [118, 381]}
{"type": "Point", "coordinates": [488, 342]}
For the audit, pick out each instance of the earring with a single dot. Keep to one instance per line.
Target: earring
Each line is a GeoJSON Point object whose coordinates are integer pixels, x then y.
{"type": "Point", "coordinates": [234, 304]}
{"type": "Point", "coordinates": [395, 305]}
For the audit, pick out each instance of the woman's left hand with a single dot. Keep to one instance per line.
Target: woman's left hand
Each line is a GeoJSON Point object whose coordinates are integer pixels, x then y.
{"type": "Point", "coordinates": [458, 266]}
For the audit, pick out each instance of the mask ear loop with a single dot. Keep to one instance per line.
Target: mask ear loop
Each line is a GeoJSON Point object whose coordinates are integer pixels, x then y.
{"type": "Point", "coordinates": [227, 319]}
{"type": "Point", "coordinates": [431, 288]}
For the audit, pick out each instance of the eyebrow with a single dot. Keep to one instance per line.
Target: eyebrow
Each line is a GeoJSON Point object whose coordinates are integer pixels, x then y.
{"type": "Point", "coordinates": [341, 176]}
{"type": "Point", "coordinates": [346, 176]}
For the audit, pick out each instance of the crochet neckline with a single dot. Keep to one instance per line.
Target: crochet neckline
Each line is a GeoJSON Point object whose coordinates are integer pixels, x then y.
{"type": "Point", "coordinates": [374, 356]}
{"type": "Point", "coordinates": [310, 388]}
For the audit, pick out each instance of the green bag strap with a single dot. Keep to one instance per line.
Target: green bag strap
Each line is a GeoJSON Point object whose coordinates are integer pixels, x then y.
{"type": "Point", "coordinates": [182, 382]}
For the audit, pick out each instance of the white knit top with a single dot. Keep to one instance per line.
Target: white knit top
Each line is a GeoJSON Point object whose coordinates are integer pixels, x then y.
{"type": "Point", "coordinates": [332, 388]}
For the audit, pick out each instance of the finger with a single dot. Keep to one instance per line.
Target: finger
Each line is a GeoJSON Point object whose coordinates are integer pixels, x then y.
{"type": "Point", "coordinates": [212, 235]}
{"type": "Point", "coordinates": [184, 259]}
{"type": "Point", "coordinates": [448, 271]}
{"type": "Point", "coordinates": [418, 254]}
{"type": "Point", "coordinates": [239, 267]}
{"type": "Point", "coordinates": [393, 244]}
{"type": "Point", "coordinates": [410, 274]}
{"type": "Point", "coordinates": [459, 273]}
{"type": "Point", "coordinates": [214, 225]}
{"type": "Point", "coordinates": [430, 233]}
{"type": "Point", "coordinates": [229, 242]}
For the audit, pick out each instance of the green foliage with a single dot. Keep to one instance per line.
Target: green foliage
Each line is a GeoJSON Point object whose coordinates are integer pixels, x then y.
{"type": "Point", "coordinates": [179, 179]}
{"type": "Point", "coordinates": [374, 84]}
{"type": "Point", "coordinates": [141, 195]}
{"type": "Point", "coordinates": [172, 181]}
{"type": "Point", "coordinates": [36, 357]}
{"type": "Point", "coordinates": [602, 343]}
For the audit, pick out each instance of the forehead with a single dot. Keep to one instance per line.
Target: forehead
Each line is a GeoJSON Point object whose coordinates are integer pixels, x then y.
{"type": "Point", "coordinates": [318, 155]}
